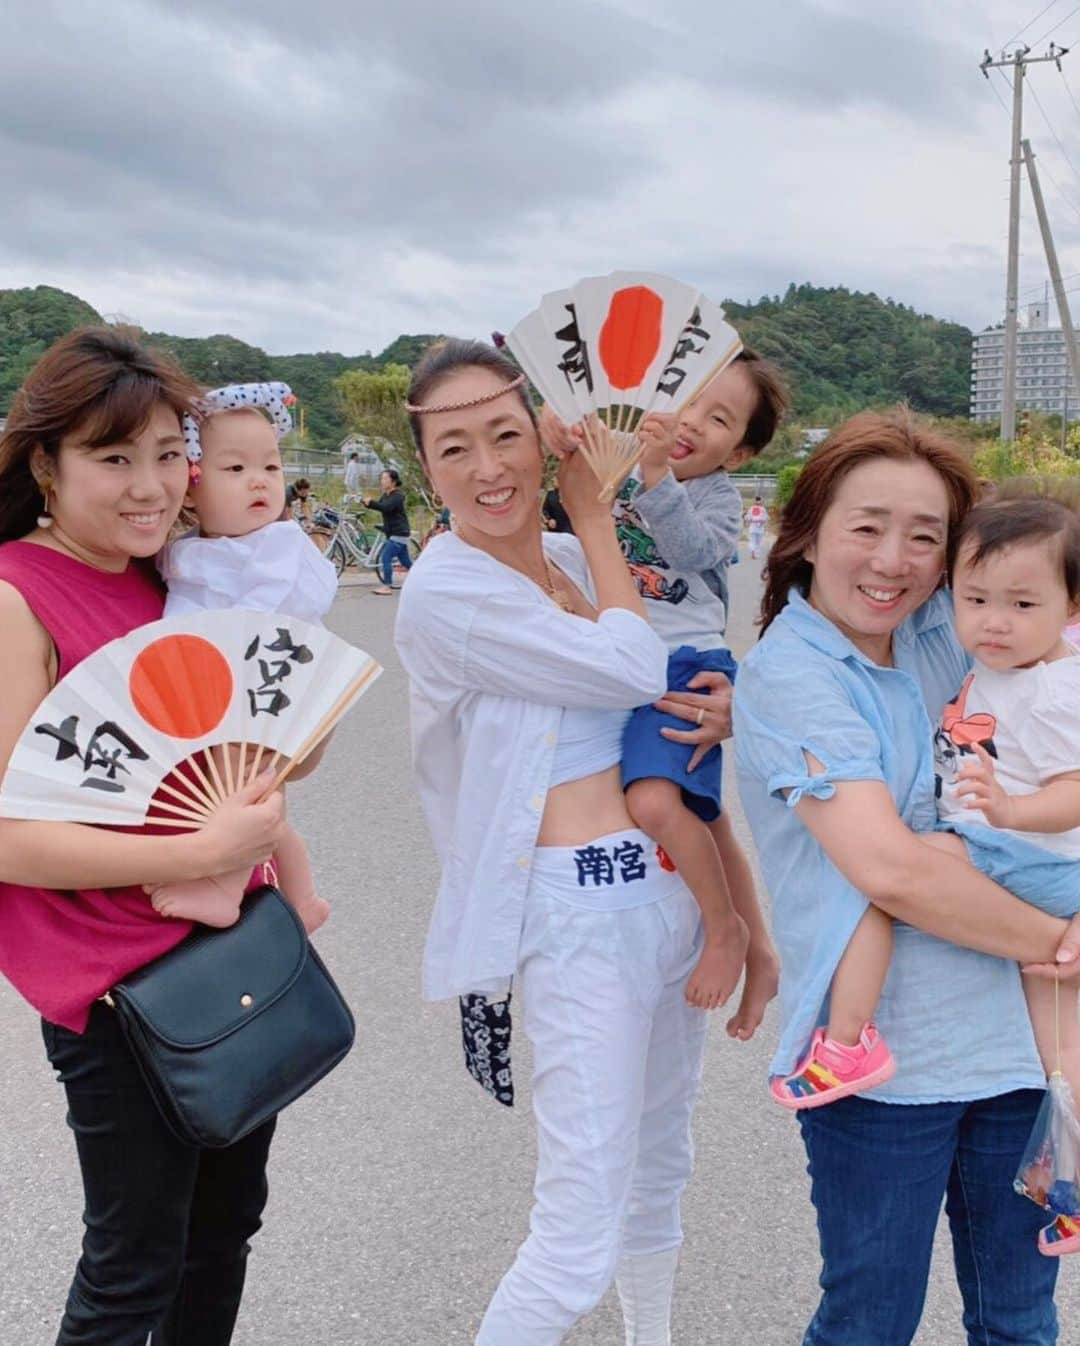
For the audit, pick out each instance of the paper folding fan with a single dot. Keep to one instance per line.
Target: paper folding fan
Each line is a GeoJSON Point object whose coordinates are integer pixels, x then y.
{"type": "Point", "coordinates": [136, 733]}
{"type": "Point", "coordinates": [611, 349]}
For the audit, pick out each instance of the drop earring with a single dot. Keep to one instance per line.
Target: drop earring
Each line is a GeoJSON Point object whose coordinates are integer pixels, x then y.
{"type": "Point", "coordinates": [45, 518]}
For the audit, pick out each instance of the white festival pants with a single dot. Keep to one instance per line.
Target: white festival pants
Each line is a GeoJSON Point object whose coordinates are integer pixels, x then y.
{"type": "Point", "coordinates": [617, 1065]}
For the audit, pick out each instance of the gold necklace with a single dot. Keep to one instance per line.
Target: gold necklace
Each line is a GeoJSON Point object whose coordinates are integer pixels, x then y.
{"type": "Point", "coordinates": [560, 600]}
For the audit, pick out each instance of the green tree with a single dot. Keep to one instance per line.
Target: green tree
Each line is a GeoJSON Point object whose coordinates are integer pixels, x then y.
{"type": "Point", "coordinates": [841, 351]}
{"type": "Point", "coordinates": [217, 360]}
{"type": "Point", "coordinates": [785, 484]}
{"type": "Point", "coordinates": [1034, 454]}
{"type": "Point", "coordinates": [406, 350]}
{"type": "Point", "coordinates": [30, 321]}
{"type": "Point", "coordinates": [374, 407]}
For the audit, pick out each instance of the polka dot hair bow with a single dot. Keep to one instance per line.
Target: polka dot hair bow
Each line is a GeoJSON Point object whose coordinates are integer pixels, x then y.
{"type": "Point", "coordinates": [275, 398]}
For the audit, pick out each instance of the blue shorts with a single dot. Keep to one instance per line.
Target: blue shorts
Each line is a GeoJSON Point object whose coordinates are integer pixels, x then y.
{"type": "Point", "coordinates": [1040, 877]}
{"type": "Point", "coordinates": [647, 755]}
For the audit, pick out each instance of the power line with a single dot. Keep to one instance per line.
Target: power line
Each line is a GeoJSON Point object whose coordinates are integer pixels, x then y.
{"type": "Point", "coordinates": [1068, 90]}
{"type": "Point", "coordinates": [1060, 190]}
{"type": "Point", "coordinates": [1019, 59]}
{"type": "Point", "coordinates": [1057, 138]}
{"type": "Point", "coordinates": [1068, 200]}
{"type": "Point", "coordinates": [1027, 25]}
{"type": "Point", "coordinates": [1034, 289]}
{"type": "Point", "coordinates": [997, 95]}
{"type": "Point", "coordinates": [1056, 26]}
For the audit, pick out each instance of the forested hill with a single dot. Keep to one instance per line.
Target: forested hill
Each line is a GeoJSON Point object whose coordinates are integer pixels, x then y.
{"type": "Point", "coordinates": [841, 350]}
{"type": "Point", "coordinates": [30, 320]}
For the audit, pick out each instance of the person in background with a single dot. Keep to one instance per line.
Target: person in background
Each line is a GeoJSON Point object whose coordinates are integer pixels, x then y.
{"type": "Point", "coordinates": [757, 516]}
{"type": "Point", "coordinates": [395, 524]}
{"type": "Point", "coordinates": [352, 474]}
{"type": "Point", "coordinates": [298, 503]}
{"type": "Point", "coordinates": [556, 519]}
{"type": "Point", "coordinates": [441, 524]}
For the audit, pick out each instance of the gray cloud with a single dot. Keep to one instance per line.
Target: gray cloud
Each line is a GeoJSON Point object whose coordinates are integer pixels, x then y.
{"type": "Point", "coordinates": [332, 174]}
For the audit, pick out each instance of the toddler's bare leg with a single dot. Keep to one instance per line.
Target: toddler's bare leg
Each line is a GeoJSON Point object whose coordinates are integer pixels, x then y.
{"type": "Point", "coordinates": [298, 882]}
{"type": "Point", "coordinates": [762, 964]}
{"type": "Point", "coordinates": [857, 982]}
{"type": "Point", "coordinates": [856, 987]}
{"type": "Point", "coordinates": [948, 842]}
{"type": "Point", "coordinates": [657, 807]}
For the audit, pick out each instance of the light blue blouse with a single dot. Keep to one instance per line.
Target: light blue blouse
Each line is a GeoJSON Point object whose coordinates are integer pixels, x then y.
{"type": "Point", "coordinates": [956, 1020]}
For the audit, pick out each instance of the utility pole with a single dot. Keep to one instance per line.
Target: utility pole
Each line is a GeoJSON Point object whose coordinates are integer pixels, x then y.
{"type": "Point", "coordinates": [1019, 60]}
{"type": "Point", "coordinates": [1055, 275]}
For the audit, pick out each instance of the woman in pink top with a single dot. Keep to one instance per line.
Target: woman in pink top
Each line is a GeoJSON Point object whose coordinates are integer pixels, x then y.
{"type": "Point", "coordinates": [92, 475]}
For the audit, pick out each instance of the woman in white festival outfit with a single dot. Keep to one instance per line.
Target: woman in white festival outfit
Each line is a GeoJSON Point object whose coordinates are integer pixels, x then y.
{"type": "Point", "coordinates": [526, 650]}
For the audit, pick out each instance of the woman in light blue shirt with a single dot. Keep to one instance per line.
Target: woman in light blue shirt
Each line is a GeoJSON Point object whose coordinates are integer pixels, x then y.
{"type": "Point", "coordinates": [833, 719]}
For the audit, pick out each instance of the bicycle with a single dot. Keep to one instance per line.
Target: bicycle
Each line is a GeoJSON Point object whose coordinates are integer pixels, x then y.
{"type": "Point", "coordinates": [345, 541]}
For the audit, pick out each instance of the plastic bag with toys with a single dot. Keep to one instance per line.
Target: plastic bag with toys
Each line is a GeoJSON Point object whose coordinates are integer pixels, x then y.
{"type": "Point", "coordinates": [1050, 1170]}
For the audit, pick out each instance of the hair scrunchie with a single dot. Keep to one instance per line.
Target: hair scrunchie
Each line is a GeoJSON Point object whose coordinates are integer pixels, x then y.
{"type": "Point", "coordinates": [275, 398]}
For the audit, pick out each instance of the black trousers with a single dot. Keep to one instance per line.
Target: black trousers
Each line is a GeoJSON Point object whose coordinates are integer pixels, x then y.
{"type": "Point", "coordinates": [167, 1224]}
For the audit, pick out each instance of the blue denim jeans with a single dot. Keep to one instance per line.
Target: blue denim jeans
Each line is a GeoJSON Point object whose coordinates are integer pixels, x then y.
{"type": "Point", "coordinates": [879, 1172]}
{"type": "Point", "coordinates": [396, 549]}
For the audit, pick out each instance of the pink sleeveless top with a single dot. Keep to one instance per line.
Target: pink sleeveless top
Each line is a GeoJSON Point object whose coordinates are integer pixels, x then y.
{"type": "Point", "coordinates": [62, 950]}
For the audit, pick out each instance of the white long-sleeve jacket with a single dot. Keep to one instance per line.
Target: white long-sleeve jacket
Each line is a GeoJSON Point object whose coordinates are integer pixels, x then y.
{"type": "Point", "coordinates": [492, 663]}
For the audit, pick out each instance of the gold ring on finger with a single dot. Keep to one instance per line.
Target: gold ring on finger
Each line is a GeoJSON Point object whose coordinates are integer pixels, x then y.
{"type": "Point", "coordinates": [701, 716]}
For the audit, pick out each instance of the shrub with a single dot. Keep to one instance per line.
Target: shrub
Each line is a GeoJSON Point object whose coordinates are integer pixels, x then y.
{"type": "Point", "coordinates": [785, 484]}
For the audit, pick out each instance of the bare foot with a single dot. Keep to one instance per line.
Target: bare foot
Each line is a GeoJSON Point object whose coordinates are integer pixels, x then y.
{"type": "Point", "coordinates": [760, 986]}
{"type": "Point", "coordinates": [214, 901]}
{"type": "Point", "coordinates": [719, 967]}
{"type": "Point", "coordinates": [313, 911]}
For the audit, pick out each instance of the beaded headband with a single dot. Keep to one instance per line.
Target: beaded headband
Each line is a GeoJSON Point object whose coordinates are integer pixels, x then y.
{"type": "Point", "coordinates": [470, 402]}
{"type": "Point", "coordinates": [274, 398]}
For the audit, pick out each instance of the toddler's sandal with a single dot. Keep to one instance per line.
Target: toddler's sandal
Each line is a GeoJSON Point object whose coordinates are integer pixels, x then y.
{"type": "Point", "coordinates": [832, 1070]}
{"type": "Point", "coordinates": [1061, 1237]}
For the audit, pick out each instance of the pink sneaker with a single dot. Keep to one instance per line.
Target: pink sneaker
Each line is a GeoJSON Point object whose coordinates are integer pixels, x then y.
{"type": "Point", "coordinates": [1061, 1237]}
{"type": "Point", "coordinates": [832, 1070]}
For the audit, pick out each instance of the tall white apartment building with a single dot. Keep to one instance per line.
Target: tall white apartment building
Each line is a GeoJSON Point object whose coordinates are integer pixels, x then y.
{"type": "Point", "coordinates": [1042, 370]}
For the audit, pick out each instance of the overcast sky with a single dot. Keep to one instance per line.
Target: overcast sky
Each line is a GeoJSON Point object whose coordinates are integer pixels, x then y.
{"type": "Point", "coordinates": [325, 175]}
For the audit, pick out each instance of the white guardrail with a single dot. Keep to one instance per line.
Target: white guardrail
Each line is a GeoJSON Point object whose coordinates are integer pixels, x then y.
{"type": "Point", "coordinates": [749, 484]}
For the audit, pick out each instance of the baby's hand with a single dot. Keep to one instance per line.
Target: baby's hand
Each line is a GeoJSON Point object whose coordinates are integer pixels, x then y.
{"type": "Point", "coordinates": [657, 435]}
{"type": "Point", "coordinates": [979, 789]}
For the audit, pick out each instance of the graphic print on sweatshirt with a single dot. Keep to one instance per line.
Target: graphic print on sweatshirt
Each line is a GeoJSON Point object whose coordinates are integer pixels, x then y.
{"type": "Point", "coordinates": [651, 572]}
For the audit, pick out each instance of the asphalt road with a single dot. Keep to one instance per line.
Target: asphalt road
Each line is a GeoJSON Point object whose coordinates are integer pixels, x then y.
{"type": "Point", "coordinates": [399, 1192]}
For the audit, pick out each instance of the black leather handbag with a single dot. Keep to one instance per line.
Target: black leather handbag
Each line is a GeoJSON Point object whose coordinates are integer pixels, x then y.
{"type": "Point", "coordinates": [232, 1025]}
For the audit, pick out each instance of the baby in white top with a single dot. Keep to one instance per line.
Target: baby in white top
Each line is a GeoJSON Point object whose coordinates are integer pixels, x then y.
{"type": "Point", "coordinates": [243, 555]}
{"type": "Point", "coordinates": [1007, 759]}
